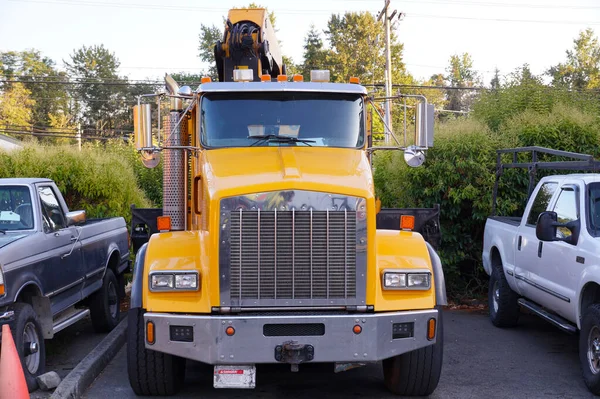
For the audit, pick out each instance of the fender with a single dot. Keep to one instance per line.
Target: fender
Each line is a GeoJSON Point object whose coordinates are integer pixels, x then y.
{"type": "Point", "coordinates": [137, 284]}
{"type": "Point", "coordinates": [34, 283]}
{"type": "Point", "coordinates": [438, 276]}
{"type": "Point", "coordinates": [590, 275]}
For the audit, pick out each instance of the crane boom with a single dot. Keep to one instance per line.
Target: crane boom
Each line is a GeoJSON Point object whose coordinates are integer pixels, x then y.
{"type": "Point", "coordinates": [249, 42]}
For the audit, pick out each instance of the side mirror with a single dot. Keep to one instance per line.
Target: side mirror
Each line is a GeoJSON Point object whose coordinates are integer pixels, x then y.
{"type": "Point", "coordinates": [142, 126]}
{"type": "Point", "coordinates": [545, 230]}
{"type": "Point", "coordinates": [75, 217]}
{"type": "Point", "coordinates": [424, 118]}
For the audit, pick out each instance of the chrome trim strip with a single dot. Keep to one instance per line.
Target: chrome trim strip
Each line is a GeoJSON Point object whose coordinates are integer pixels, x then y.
{"type": "Point", "coordinates": [345, 253]}
{"type": "Point", "coordinates": [311, 254]}
{"type": "Point", "coordinates": [94, 272]}
{"type": "Point", "coordinates": [240, 266]}
{"type": "Point", "coordinates": [63, 289]}
{"type": "Point", "coordinates": [327, 230]}
{"type": "Point", "coordinates": [275, 253]}
{"type": "Point", "coordinates": [509, 272]}
{"type": "Point", "coordinates": [542, 288]}
{"type": "Point", "coordinates": [293, 253]}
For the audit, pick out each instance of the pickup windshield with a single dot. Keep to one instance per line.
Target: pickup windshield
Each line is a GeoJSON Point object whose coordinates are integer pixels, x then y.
{"type": "Point", "coordinates": [282, 119]}
{"type": "Point", "coordinates": [15, 208]}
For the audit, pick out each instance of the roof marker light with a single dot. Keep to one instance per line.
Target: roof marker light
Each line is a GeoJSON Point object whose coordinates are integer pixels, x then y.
{"type": "Point", "coordinates": [205, 79]}
{"type": "Point", "coordinates": [282, 78]}
{"type": "Point", "coordinates": [298, 78]}
{"type": "Point", "coordinates": [319, 76]}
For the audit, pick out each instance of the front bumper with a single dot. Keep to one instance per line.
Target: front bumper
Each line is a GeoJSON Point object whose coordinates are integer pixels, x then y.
{"type": "Point", "coordinates": [337, 343]}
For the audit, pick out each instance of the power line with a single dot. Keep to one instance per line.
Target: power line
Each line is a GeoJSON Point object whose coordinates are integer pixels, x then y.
{"type": "Point", "coordinates": [287, 11]}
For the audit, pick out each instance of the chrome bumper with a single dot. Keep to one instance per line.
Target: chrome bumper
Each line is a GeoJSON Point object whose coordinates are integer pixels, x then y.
{"type": "Point", "coordinates": [249, 345]}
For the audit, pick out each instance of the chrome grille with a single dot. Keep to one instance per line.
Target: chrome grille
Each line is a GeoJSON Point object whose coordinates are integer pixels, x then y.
{"type": "Point", "coordinates": [292, 254]}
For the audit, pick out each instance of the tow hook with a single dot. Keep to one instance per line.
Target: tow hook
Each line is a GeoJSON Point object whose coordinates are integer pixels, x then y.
{"type": "Point", "coordinates": [293, 353]}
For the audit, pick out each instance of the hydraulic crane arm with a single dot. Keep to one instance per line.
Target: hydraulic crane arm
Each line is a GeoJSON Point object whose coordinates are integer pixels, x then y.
{"type": "Point", "coordinates": [249, 42]}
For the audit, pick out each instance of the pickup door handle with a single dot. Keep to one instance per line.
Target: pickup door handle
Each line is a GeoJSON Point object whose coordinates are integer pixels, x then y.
{"type": "Point", "coordinates": [519, 243]}
{"type": "Point", "coordinates": [73, 238]}
{"type": "Point", "coordinates": [540, 246]}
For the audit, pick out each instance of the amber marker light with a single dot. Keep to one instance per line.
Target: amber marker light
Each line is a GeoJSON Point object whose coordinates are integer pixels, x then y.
{"type": "Point", "coordinates": [230, 331]}
{"type": "Point", "coordinates": [357, 329]}
{"type": "Point", "coordinates": [354, 79]}
{"type": "Point", "coordinates": [298, 78]}
{"type": "Point", "coordinates": [431, 329]}
{"type": "Point", "coordinates": [163, 223]}
{"type": "Point", "coordinates": [265, 78]}
{"type": "Point", "coordinates": [407, 222]}
{"type": "Point", "coordinates": [205, 79]}
{"type": "Point", "coordinates": [150, 332]}
{"type": "Point", "coordinates": [282, 78]}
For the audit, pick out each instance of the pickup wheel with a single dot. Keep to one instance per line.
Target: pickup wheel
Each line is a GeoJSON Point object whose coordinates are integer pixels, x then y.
{"type": "Point", "coordinates": [29, 340]}
{"type": "Point", "coordinates": [105, 304]}
{"type": "Point", "coordinates": [589, 348]}
{"type": "Point", "coordinates": [503, 301]}
{"type": "Point", "coordinates": [416, 373]}
{"type": "Point", "coordinates": [150, 372]}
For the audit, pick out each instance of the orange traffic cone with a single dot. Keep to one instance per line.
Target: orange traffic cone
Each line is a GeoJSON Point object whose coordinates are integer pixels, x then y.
{"type": "Point", "coordinates": [12, 379]}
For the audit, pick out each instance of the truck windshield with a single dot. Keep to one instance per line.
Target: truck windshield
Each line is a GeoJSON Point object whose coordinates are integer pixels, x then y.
{"type": "Point", "coordinates": [15, 208]}
{"type": "Point", "coordinates": [282, 119]}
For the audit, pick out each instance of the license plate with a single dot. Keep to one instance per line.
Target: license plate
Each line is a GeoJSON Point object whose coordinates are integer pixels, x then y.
{"type": "Point", "coordinates": [243, 377]}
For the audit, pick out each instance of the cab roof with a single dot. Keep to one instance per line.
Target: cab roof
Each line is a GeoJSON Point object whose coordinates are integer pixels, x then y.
{"type": "Point", "coordinates": [317, 87]}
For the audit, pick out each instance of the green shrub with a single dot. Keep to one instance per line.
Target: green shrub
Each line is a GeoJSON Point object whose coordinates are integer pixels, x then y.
{"type": "Point", "coordinates": [101, 182]}
{"type": "Point", "coordinates": [459, 174]}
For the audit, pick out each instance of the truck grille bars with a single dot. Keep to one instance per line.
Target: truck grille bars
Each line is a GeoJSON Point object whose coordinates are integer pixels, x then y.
{"type": "Point", "coordinates": [293, 257]}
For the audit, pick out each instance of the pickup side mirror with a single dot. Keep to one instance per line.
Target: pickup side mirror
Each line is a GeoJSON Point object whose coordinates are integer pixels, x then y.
{"type": "Point", "coordinates": [75, 217]}
{"type": "Point", "coordinates": [547, 226]}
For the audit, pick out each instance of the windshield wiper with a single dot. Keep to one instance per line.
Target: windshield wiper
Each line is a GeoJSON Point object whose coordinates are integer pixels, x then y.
{"type": "Point", "coordinates": [273, 138]}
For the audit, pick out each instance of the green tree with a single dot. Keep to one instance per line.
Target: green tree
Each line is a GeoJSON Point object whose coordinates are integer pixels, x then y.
{"type": "Point", "coordinates": [104, 95]}
{"type": "Point", "coordinates": [208, 37]}
{"type": "Point", "coordinates": [461, 74]}
{"type": "Point", "coordinates": [315, 56]}
{"type": "Point", "coordinates": [581, 70]}
{"type": "Point", "coordinates": [16, 107]}
{"type": "Point", "coordinates": [495, 82]}
{"type": "Point", "coordinates": [37, 73]}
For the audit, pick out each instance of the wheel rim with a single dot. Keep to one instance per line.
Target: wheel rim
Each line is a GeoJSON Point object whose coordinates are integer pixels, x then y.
{"type": "Point", "coordinates": [113, 300]}
{"type": "Point", "coordinates": [593, 353]}
{"type": "Point", "coordinates": [496, 296]}
{"type": "Point", "coordinates": [31, 343]}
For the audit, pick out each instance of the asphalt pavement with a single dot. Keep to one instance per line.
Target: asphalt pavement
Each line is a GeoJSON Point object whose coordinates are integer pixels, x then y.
{"type": "Point", "coordinates": [533, 360]}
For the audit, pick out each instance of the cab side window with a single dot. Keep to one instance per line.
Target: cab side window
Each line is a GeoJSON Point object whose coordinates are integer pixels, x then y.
{"type": "Point", "coordinates": [566, 210]}
{"type": "Point", "coordinates": [52, 214]}
{"type": "Point", "coordinates": [541, 201]}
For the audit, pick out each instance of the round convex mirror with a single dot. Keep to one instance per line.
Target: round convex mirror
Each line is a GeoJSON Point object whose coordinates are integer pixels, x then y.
{"type": "Point", "coordinates": [414, 157]}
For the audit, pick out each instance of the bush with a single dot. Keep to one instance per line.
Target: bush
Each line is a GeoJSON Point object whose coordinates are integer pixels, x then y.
{"type": "Point", "coordinates": [101, 182]}
{"type": "Point", "coordinates": [459, 174]}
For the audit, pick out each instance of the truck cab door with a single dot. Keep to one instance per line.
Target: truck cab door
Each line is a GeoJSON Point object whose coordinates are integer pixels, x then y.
{"type": "Point", "coordinates": [561, 264]}
{"type": "Point", "coordinates": [62, 274]}
{"type": "Point", "coordinates": [527, 244]}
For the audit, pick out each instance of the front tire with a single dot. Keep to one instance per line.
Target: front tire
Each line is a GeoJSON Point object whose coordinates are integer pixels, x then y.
{"type": "Point", "coordinates": [416, 373]}
{"type": "Point", "coordinates": [29, 340]}
{"type": "Point", "coordinates": [589, 348]}
{"type": "Point", "coordinates": [503, 301]}
{"type": "Point", "coordinates": [105, 309]}
{"type": "Point", "coordinates": [150, 372]}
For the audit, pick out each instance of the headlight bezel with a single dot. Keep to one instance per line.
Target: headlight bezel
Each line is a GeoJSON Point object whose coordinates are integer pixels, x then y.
{"type": "Point", "coordinates": [173, 275]}
{"type": "Point", "coordinates": [403, 274]}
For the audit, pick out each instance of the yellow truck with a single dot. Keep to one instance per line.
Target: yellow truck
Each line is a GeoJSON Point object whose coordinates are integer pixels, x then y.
{"type": "Point", "coordinates": [267, 247]}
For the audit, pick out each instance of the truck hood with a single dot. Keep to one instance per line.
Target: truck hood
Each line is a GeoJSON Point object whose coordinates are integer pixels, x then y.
{"type": "Point", "coordinates": [7, 238]}
{"type": "Point", "coordinates": [235, 171]}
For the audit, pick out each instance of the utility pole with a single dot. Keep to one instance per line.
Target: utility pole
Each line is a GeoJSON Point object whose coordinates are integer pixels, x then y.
{"type": "Point", "coordinates": [388, 71]}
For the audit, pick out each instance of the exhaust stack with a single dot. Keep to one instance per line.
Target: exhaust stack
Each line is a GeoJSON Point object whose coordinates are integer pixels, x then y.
{"type": "Point", "coordinates": [174, 160]}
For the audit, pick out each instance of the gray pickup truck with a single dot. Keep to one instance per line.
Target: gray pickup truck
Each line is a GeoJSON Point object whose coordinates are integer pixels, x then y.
{"type": "Point", "coordinates": [56, 267]}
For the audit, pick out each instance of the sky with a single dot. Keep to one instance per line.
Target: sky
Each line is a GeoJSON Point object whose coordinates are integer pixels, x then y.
{"type": "Point", "coordinates": [156, 36]}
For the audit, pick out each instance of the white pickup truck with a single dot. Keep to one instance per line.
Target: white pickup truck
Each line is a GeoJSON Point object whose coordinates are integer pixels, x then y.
{"type": "Point", "coordinates": [548, 261]}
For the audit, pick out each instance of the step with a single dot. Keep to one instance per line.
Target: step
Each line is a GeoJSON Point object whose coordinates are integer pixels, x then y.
{"type": "Point", "coordinates": [69, 317]}
{"type": "Point", "coordinates": [552, 318]}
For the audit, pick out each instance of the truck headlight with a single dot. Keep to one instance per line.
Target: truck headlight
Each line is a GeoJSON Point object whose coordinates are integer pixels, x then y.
{"type": "Point", "coordinates": [406, 280]}
{"type": "Point", "coordinates": [174, 281]}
